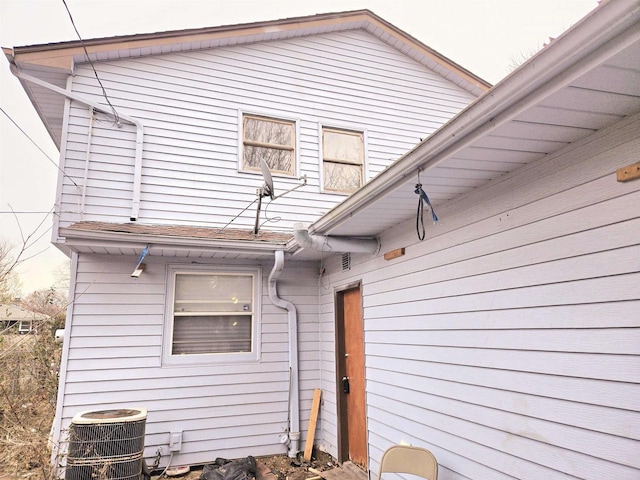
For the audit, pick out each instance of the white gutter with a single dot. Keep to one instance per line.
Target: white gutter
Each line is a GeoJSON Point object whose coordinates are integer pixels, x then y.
{"type": "Point", "coordinates": [137, 167]}
{"type": "Point", "coordinates": [294, 399]}
{"type": "Point", "coordinates": [603, 33]}
{"type": "Point", "coordinates": [108, 239]}
{"type": "Point", "coordinates": [334, 244]}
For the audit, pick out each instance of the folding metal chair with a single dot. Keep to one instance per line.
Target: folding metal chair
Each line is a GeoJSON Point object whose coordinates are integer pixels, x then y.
{"type": "Point", "coordinates": [406, 459]}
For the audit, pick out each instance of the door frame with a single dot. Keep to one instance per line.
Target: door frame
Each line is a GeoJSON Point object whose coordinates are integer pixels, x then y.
{"type": "Point", "coordinates": [341, 411]}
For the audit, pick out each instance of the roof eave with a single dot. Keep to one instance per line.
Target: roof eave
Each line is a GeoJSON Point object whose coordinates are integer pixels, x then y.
{"type": "Point", "coordinates": [61, 55]}
{"type": "Point", "coordinates": [84, 238]}
{"type": "Point", "coordinates": [564, 59]}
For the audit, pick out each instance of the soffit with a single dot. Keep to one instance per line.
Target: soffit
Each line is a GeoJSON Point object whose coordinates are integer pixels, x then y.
{"type": "Point", "coordinates": [605, 94]}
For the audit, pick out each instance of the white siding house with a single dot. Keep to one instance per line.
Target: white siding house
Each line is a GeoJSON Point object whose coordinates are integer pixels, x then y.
{"type": "Point", "coordinates": [505, 338]}
{"type": "Point", "coordinates": [508, 340]}
{"type": "Point", "coordinates": [165, 162]}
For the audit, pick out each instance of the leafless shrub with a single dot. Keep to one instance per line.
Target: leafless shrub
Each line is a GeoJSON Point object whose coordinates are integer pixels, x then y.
{"type": "Point", "coordinates": [28, 387]}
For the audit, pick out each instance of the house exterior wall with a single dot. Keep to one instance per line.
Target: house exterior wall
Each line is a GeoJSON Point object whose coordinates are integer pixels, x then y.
{"type": "Point", "coordinates": [113, 359]}
{"type": "Point", "coordinates": [507, 342]}
{"type": "Point", "coordinates": [190, 104]}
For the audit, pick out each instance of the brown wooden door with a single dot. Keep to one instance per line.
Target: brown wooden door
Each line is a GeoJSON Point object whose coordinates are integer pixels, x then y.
{"type": "Point", "coordinates": [353, 418]}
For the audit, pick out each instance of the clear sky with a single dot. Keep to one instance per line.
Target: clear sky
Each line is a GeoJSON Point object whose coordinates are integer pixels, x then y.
{"type": "Point", "coordinates": [484, 36]}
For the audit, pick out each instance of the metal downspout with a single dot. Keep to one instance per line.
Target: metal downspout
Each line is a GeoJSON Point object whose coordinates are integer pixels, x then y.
{"type": "Point", "coordinates": [86, 163]}
{"type": "Point", "coordinates": [334, 244]}
{"type": "Point", "coordinates": [294, 398]}
{"type": "Point", "coordinates": [137, 166]}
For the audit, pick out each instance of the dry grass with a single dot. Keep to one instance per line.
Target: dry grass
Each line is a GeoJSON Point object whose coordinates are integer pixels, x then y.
{"type": "Point", "coordinates": [28, 387]}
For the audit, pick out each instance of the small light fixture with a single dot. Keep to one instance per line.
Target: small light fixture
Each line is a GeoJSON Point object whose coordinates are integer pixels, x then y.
{"type": "Point", "coordinates": [139, 269]}
{"type": "Point", "coordinates": [140, 266]}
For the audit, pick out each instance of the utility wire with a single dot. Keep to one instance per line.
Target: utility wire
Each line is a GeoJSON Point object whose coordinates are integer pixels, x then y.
{"type": "Point", "coordinates": [24, 212]}
{"type": "Point", "coordinates": [230, 221]}
{"type": "Point", "coordinates": [38, 146]}
{"type": "Point", "coordinates": [116, 117]}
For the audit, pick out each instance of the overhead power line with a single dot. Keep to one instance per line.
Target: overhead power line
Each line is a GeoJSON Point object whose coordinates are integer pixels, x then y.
{"type": "Point", "coordinates": [38, 146]}
{"type": "Point", "coordinates": [12, 212]}
{"type": "Point", "coordinates": [116, 117]}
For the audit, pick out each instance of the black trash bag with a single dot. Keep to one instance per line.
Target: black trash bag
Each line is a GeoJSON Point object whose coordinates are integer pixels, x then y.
{"type": "Point", "coordinates": [223, 469]}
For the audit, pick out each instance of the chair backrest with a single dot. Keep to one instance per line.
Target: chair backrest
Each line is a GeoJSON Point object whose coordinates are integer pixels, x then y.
{"type": "Point", "coordinates": [406, 459]}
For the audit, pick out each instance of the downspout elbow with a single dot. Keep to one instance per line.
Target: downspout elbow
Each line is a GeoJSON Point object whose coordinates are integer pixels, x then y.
{"type": "Point", "coordinates": [327, 243]}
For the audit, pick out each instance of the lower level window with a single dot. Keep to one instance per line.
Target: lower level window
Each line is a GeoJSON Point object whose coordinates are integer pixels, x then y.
{"type": "Point", "coordinates": [213, 314]}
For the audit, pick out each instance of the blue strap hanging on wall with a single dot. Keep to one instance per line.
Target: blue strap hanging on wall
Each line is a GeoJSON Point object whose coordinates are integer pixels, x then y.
{"type": "Point", "coordinates": [422, 199]}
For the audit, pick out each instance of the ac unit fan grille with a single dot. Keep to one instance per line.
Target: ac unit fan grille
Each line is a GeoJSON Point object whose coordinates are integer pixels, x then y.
{"type": "Point", "coordinates": [110, 450]}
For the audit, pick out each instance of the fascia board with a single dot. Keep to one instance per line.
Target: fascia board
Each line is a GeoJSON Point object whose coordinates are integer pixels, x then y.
{"type": "Point", "coordinates": [608, 29]}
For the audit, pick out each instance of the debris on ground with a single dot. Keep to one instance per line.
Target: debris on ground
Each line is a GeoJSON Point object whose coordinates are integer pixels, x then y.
{"type": "Point", "coordinates": [274, 467]}
{"type": "Point", "coordinates": [223, 469]}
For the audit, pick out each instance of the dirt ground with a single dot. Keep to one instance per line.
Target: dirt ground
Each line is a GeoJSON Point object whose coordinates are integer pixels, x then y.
{"type": "Point", "coordinates": [276, 467]}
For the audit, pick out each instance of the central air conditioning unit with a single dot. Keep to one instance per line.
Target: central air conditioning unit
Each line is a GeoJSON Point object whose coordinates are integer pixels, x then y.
{"type": "Point", "coordinates": [106, 444]}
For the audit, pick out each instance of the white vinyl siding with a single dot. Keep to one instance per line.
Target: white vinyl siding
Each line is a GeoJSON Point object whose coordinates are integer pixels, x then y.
{"type": "Point", "coordinates": [508, 341]}
{"type": "Point", "coordinates": [189, 103]}
{"type": "Point", "coordinates": [225, 410]}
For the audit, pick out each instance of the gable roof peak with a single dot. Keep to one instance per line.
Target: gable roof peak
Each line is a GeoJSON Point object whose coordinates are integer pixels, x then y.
{"type": "Point", "coordinates": [62, 55]}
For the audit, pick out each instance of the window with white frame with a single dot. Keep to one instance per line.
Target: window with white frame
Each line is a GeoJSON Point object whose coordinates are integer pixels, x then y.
{"type": "Point", "coordinates": [342, 160]}
{"type": "Point", "coordinates": [212, 314]}
{"type": "Point", "coordinates": [270, 139]}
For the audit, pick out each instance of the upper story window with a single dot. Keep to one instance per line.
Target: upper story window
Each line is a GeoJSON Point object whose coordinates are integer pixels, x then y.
{"type": "Point", "coordinates": [342, 160]}
{"type": "Point", "coordinates": [269, 138]}
{"type": "Point", "coordinates": [212, 316]}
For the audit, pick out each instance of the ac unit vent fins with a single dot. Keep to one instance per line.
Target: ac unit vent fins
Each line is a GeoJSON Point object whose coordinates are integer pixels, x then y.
{"type": "Point", "coordinates": [346, 261]}
{"type": "Point", "coordinates": [106, 444]}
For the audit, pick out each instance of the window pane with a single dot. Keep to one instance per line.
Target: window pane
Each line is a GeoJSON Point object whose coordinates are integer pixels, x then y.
{"type": "Point", "coordinates": [342, 177]}
{"type": "Point", "coordinates": [344, 146]}
{"type": "Point", "coordinates": [268, 131]}
{"type": "Point", "coordinates": [277, 160]}
{"type": "Point", "coordinates": [213, 293]}
{"type": "Point", "coordinates": [205, 334]}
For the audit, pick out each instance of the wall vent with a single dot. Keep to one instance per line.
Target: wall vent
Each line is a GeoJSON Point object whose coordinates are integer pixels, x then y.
{"type": "Point", "coordinates": [346, 261]}
{"type": "Point", "coordinates": [106, 444]}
